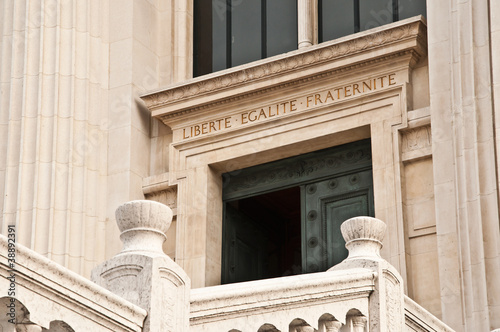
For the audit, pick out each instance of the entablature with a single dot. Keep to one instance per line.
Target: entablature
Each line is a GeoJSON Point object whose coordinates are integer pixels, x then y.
{"type": "Point", "coordinates": [369, 55]}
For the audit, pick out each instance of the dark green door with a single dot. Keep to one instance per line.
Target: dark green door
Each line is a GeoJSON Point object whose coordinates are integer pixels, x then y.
{"type": "Point", "coordinates": [325, 206]}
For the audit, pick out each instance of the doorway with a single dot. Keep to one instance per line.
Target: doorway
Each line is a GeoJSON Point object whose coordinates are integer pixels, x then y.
{"type": "Point", "coordinates": [283, 218]}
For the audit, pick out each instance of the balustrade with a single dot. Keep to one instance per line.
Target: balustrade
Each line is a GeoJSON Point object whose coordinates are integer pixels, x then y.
{"type": "Point", "coordinates": [363, 293]}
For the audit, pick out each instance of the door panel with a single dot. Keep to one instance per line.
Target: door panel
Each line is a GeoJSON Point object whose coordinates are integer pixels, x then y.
{"type": "Point", "coordinates": [326, 205]}
{"type": "Point", "coordinates": [335, 213]}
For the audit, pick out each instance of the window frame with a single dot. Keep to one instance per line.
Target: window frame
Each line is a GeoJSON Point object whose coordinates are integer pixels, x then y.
{"type": "Point", "coordinates": [309, 30]}
{"type": "Point", "coordinates": [202, 37]}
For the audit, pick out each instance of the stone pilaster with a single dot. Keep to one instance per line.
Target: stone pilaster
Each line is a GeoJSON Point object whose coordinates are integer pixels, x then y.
{"type": "Point", "coordinates": [463, 149]}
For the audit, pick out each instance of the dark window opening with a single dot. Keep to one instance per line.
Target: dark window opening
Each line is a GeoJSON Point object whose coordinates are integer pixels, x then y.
{"type": "Point", "coordinates": [338, 18]}
{"type": "Point", "coordinates": [229, 33]}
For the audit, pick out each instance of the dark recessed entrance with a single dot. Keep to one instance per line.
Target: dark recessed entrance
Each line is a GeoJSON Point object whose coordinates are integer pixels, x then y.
{"type": "Point", "coordinates": [283, 218]}
{"type": "Point", "coordinates": [264, 231]}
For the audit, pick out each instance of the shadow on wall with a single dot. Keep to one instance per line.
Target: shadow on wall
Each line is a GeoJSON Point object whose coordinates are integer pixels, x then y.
{"type": "Point", "coordinates": [14, 316]}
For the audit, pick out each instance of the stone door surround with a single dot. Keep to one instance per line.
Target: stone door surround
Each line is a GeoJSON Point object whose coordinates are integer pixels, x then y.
{"type": "Point", "coordinates": [325, 95]}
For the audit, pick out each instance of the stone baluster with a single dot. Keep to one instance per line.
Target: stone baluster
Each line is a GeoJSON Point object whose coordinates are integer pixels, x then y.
{"type": "Point", "coordinates": [363, 237]}
{"type": "Point", "coordinates": [359, 323]}
{"type": "Point", "coordinates": [305, 328]}
{"type": "Point", "coordinates": [333, 325]}
{"type": "Point", "coordinates": [142, 273]}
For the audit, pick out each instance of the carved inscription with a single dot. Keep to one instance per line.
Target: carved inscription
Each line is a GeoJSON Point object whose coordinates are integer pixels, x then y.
{"type": "Point", "coordinates": [313, 100]}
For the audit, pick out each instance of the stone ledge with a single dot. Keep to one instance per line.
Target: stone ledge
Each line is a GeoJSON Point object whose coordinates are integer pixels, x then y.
{"type": "Point", "coordinates": [254, 297]}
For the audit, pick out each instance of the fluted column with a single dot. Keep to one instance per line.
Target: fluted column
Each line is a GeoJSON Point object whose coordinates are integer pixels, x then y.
{"type": "Point", "coordinates": [51, 120]}
{"type": "Point", "coordinates": [461, 63]}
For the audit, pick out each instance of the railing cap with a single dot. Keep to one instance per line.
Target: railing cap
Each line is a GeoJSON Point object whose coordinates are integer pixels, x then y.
{"type": "Point", "coordinates": [143, 225]}
{"type": "Point", "coordinates": [363, 236]}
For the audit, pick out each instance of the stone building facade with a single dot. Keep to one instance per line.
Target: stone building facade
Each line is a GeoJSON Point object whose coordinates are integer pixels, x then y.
{"type": "Point", "coordinates": [99, 106]}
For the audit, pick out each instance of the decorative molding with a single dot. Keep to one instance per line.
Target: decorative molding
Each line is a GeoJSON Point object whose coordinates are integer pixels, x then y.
{"type": "Point", "coordinates": [411, 29]}
{"type": "Point", "coordinates": [393, 300]}
{"type": "Point", "coordinates": [417, 139]}
{"type": "Point", "coordinates": [166, 196]}
{"type": "Point", "coordinates": [170, 275]}
{"type": "Point", "coordinates": [173, 297]}
{"type": "Point", "coordinates": [122, 271]}
{"type": "Point", "coordinates": [323, 288]}
{"type": "Point", "coordinates": [263, 90]}
{"type": "Point", "coordinates": [298, 169]}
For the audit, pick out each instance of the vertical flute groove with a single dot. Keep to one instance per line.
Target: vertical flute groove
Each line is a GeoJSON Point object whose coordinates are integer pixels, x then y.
{"type": "Point", "coordinates": [45, 169]}
{"type": "Point", "coordinates": [15, 109]}
{"type": "Point", "coordinates": [29, 124]}
{"type": "Point", "coordinates": [58, 242]}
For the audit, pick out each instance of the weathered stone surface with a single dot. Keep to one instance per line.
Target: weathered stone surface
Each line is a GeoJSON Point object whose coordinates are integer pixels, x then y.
{"type": "Point", "coordinates": [143, 225]}
{"type": "Point", "coordinates": [363, 237]}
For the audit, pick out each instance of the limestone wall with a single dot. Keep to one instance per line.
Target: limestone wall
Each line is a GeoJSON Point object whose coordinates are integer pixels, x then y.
{"type": "Point", "coordinates": [75, 140]}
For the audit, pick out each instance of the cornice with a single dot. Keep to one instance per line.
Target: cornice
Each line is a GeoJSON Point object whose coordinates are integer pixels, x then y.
{"type": "Point", "coordinates": [293, 64]}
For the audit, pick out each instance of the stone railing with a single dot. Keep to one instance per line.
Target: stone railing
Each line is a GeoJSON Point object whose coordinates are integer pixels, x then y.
{"type": "Point", "coordinates": [362, 293]}
{"type": "Point", "coordinates": [299, 303]}
{"type": "Point", "coordinates": [37, 294]}
{"type": "Point", "coordinates": [152, 293]}
{"type": "Point", "coordinates": [419, 319]}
